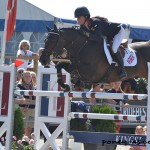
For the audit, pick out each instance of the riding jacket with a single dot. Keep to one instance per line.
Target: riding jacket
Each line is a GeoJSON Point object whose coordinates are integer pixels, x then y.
{"type": "Point", "coordinates": [98, 28]}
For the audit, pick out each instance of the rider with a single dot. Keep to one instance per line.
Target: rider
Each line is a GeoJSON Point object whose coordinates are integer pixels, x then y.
{"type": "Point", "coordinates": [94, 28]}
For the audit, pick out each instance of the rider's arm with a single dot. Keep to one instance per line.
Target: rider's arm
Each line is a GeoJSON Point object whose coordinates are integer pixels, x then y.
{"type": "Point", "coordinates": [110, 29]}
{"type": "Point", "coordinates": [94, 32]}
{"type": "Point", "coordinates": [113, 30]}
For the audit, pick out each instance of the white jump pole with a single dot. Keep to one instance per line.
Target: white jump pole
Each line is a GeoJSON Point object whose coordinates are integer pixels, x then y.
{"type": "Point", "coordinates": [81, 94]}
{"type": "Point", "coordinates": [107, 116]}
{"type": "Point", "coordinates": [148, 110]}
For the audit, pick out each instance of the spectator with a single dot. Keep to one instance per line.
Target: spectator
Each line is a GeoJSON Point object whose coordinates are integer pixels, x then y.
{"type": "Point", "coordinates": [19, 74]}
{"type": "Point", "coordinates": [26, 102]}
{"type": "Point", "coordinates": [24, 54]}
{"type": "Point", "coordinates": [145, 130]}
{"type": "Point", "coordinates": [35, 63]}
{"type": "Point", "coordinates": [34, 80]}
{"type": "Point", "coordinates": [129, 86]}
{"type": "Point", "coordinates": [96, 88]}
{"type": "Point", "coordinates": [40, 50]}
{"type": "Point", "coordinates": [116, 88]}
{"type": "Point", "coordinates": [138, 131]}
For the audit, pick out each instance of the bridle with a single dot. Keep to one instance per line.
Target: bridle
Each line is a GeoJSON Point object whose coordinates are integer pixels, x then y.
{"type": "Point", "coordinates": [71, 44]}
{"type": "Point", "coordinates": [59, 45]}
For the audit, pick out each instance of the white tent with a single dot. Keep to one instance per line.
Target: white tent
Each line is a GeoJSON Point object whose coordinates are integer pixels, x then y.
{"type": "Point", "coordinates": [30, 25]}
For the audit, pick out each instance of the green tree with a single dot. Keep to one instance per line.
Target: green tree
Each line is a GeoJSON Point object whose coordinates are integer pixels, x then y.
{"type": "Point", "coordinates": [141, 87]}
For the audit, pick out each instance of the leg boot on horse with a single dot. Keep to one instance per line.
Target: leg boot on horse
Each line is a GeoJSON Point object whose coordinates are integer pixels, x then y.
{"type": "Point", "coordinates": [119, 59]}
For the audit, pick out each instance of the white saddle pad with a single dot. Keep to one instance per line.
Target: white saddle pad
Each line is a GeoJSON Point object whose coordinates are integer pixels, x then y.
{"type": "Point", "coordinates": [129, 59]}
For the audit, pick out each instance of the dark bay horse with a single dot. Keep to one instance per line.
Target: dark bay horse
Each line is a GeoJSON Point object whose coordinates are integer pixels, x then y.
{"type": "Point", "coordinates": [89, 56]}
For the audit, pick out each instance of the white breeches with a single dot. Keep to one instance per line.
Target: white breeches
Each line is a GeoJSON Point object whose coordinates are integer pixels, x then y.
{"type": "Point", "coordinates": [118, 39]}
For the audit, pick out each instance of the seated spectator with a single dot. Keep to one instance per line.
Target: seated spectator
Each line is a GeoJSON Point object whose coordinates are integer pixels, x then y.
{"type": "Point", "coordinates": [26, 103]}
{"type": "Point", "coordinates": [24, 54]}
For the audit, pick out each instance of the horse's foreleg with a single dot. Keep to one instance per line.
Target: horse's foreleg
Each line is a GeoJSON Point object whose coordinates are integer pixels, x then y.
{"type": "Point", "coordinates": [60, 81]}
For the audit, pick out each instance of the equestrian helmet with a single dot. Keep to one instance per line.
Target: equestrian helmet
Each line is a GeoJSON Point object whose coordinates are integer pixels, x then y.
{"type": "Point", "coordinates": [82, 11]}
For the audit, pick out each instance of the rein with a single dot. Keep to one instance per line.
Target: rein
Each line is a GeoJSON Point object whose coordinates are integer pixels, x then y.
{"type": "Point", "coordinates": [72, 45]}
{"type": "Point", "coordinates": [52, 52]}
{"type": "Point", "coordinates": [75, 58]}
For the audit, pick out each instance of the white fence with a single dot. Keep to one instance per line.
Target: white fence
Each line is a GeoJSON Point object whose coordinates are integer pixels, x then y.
{"type": "Point", "coordinates": [51, 118]}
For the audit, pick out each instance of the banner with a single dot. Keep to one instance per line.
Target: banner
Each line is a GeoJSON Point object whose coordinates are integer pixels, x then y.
{"type": "Point", "coordinates": [11, 18]}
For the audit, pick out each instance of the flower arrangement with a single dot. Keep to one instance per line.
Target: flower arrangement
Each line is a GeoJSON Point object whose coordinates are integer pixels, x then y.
{"type": "Point", "coordinates": [24, 144]}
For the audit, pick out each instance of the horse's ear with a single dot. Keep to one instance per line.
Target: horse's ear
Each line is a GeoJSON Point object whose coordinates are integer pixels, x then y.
{"type": "Point", "coordinates": [55, 28]}
{"type": "Point", "coordinates": [48, 28]}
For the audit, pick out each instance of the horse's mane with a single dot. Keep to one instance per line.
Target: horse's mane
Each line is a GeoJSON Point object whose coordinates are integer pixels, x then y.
{"type": "Point", "coordinates": [54, 32]}
{"type": "Point", "coordinates": [49, 35]}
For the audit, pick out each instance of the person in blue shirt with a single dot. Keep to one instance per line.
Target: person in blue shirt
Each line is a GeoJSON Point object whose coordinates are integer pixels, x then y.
{"type": "Point", "coordinates": [116, 88]}
{"type": "Point", "coordinates": [97, 27]}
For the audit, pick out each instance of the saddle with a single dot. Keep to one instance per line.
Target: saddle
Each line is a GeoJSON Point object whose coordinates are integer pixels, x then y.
{"type": "Point", "coordinates": [122, 47]}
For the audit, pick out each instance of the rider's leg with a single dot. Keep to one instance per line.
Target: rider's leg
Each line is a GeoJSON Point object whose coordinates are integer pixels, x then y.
{"type": "Point", "coordinates": [116, 42]}
{"type": "Point", "coordinates": [119, 59]}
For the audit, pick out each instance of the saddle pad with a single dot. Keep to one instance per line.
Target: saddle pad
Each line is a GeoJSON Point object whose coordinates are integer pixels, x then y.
{"type": "Point", "coordinates": [129, 59]}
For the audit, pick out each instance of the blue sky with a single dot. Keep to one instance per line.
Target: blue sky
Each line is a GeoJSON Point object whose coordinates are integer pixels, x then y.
{"type": "Point", "coordinates": [133, 12]}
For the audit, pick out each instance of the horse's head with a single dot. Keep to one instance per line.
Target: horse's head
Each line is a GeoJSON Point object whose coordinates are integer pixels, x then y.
{"type": "Point", "coordinates": [49, 48]}
{"type": "Point", "coordinates": [69, 38]}
{"type": "Point", "coordinates": [57, 40]}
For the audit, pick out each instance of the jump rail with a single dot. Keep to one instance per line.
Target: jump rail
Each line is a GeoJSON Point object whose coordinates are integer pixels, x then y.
{"type": "Point", "coordinates": [64, 121]}
{"type": "Point", "coordinates": [73, 115]}
{"type": "Point", "coordinates": [82, 94]}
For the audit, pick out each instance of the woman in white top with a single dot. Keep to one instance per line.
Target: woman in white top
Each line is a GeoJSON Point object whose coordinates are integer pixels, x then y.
{"type": "Point", "coordinates": [24, 54]}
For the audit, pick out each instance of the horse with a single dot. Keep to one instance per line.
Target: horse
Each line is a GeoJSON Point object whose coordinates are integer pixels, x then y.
{"type": "Point", "coordinates": [89, 56]}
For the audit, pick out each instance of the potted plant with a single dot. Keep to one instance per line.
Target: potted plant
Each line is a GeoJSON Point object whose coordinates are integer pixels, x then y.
{"type": "Point", "coordinates": [99, 125]}
{"type": "Point", "coordinates": [18, 123]}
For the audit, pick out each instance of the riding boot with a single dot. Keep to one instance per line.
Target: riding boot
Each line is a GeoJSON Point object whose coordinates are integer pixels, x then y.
{"type": "Point", "coordinates": [119, 59]}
